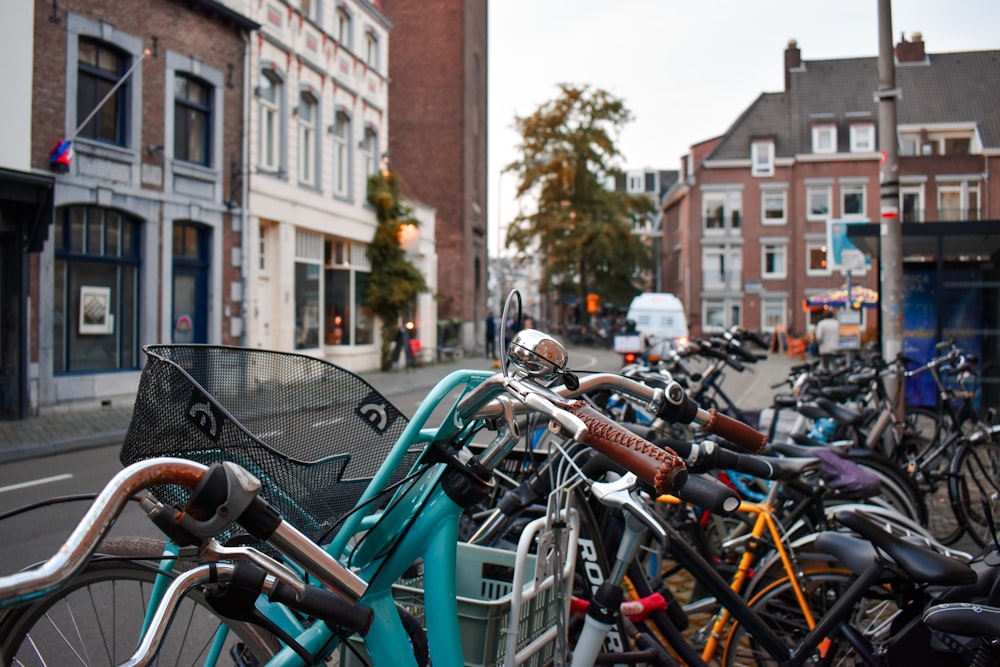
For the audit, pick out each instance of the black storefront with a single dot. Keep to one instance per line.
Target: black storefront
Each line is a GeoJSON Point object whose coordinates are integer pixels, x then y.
{"type": "Point", "coordinates": [25, 216]}
{"type": "Point", "coordinates": [951, 290]}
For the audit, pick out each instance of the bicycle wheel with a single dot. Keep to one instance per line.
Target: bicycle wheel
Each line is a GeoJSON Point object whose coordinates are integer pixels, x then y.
{"type": "Point", "coordinates": [778, 607]}
{"type": "Point", "coordinates": [897, 490]}
{"type": "Point", "coordinates": [975, 479]}
{"type": "Point", "coordinates": [97, 618]}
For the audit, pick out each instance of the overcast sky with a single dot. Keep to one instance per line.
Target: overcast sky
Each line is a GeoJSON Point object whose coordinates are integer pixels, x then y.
{"type": "Point", "coordinates": [685, 69]}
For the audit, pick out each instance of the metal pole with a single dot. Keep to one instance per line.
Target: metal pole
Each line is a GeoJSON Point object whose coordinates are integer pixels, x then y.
{"type": "Point", "coordinates": [891, 257]}
{"type": "Point", "coordinates": [891, 253]}
{"type": "Point", "coordinates": [107, 96]}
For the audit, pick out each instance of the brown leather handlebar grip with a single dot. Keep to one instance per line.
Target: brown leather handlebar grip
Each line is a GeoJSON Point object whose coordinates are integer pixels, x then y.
{"type": "Point", "coordinates": [660, 468]}
{"type": "Point", "coordinates": [735, 431]}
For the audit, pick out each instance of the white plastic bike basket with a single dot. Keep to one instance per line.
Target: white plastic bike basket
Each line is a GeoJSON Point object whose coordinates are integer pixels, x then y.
{"type": "Point", "coordinates": [492, 616]}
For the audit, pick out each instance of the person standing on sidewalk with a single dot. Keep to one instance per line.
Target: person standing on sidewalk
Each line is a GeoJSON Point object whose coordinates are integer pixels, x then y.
{"type": "Point", "coordinates": [828, 338]}
{"type": "Point", "coordinates": [491, 336]}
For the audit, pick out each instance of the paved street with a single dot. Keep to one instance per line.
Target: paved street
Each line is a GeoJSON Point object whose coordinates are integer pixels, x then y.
{"type": "Point", "coordinates": [81, 429]}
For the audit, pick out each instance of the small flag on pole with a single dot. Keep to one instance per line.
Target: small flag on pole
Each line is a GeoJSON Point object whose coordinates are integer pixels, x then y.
{"type": "Point", "coordinates": [61, 156]}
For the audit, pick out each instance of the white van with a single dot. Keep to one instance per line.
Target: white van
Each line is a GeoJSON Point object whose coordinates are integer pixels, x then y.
{"type": "Point", "coordinates": [659, 316]}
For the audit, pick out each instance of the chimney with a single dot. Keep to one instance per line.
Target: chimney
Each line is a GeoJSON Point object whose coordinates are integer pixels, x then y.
{"type": "Point", "coordinates": [912, 51]}
{"type": "Point", "coordinates": [793, 59]}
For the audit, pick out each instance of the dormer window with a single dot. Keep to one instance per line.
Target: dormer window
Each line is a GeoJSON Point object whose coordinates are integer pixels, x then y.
{"type": "Point", "coordinates": [762, 158]}
{"type": "Point", "coordinates": [862, 138]}
{"type": "Point", "coordinates": [824, 138]}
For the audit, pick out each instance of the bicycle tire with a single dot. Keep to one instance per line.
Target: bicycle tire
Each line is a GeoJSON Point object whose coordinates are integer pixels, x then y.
{"type": "Point", "coordinates": [97, 617]}
{"type": "Point", "coordinates": [778, 607]}
{"type": "Point", "coordinates": [975, 476]}
{"type": "Point", "coordinates": [898, 489]}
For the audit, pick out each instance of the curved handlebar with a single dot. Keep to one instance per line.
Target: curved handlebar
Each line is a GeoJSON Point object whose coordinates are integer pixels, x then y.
{"type": "Point", "coordinates": [94, 525]}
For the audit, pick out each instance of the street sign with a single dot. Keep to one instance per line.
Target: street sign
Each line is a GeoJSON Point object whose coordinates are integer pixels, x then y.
{"type": "Point", "coordinates": [841, 253]}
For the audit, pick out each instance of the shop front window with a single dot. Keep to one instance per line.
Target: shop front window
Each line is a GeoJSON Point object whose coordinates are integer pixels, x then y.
{"type": "Point", "coordinates": [306, 305]}
{"type": "Point", "coordinates": [95, 296]}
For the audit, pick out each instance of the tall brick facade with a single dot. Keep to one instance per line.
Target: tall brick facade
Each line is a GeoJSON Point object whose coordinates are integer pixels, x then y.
{"type": "Point", "coordinates": [438, 142]}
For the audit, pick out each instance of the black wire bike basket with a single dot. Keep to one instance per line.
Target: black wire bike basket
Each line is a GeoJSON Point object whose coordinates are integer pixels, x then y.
{"type": "Point", "coordinates": [313, 433]}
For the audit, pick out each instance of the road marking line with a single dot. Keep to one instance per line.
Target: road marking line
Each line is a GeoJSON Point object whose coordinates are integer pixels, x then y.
{"type": "Point", "coordinates": [36, 482]}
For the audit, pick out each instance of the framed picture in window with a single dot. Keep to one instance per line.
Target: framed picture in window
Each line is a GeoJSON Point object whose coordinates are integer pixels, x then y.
{"type": "Point", "coordinates": [95, 311]}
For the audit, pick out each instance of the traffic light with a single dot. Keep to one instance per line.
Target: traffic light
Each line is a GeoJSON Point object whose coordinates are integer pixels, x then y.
{"type": "Point", "coordinates": [593, 303]}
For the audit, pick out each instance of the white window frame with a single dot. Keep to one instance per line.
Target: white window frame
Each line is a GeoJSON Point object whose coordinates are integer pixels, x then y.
{"type": "Point", "coordinates": [862, 137]}
{"type": "Point", "coordinates": [345, 24]}
{"type": "Point", "coordinates": [732, 311]}
{"type": "Point", "coordinates": [781, 195]}
{"type": "Point", "coordinates": [917, 192]}
{"type": "Point", "coordinates": [371, 50]}
{"type": "Point", "coordinates": [270, 123]}
{"type": "Point", "coordinates": [853, 188]}
{"type": "Point", "coordinates": [816, 245]}
{"type": "Point", "coordinates": [635, 182]}
{"type": "Point", "coordinates": [308, 113]}
{"type": "Point", "coordinates": [762, 158]}
{"type": "Point", "coordinates": [310, 9]}
{"type": "Point", "coordinates": [967, 192]}
{"type": "Point", "coordinates": [774, 304]}
{"type": "Point", "coordinates": [824, 138]}
{"type": "Point", "coordinates": [732, 211]}
{"type": "Point", "coordinates": [727, 262]}
{"type": "Point", "coordinates": [780, 252]}
{"type": "Point", "coordinates": [826, 190]}
{"type": "Point", "coordinates": [369, 150]}
{"type": "Point", "coordinates": [341, 154]}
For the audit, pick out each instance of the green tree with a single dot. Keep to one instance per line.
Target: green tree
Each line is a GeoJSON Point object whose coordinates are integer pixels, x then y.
{"type": "Point", "coordinates": [581, 229]}
{"type": "Point", "coordinates": [395, 281]}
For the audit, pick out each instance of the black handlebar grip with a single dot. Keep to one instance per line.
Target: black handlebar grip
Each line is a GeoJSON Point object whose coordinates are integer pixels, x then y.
{"type": "Point", "coordinates": [735, 431]}
{"type": "Point", "coordinates": [710, 494]}
{"type": "Point", "coordinates": [750, 465]}
{"type": "Point", "coordinates": [326, 605]}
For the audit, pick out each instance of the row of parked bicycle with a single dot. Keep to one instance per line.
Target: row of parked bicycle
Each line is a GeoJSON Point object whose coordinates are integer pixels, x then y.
{"type": "Point", "coordinates": [531, 516]}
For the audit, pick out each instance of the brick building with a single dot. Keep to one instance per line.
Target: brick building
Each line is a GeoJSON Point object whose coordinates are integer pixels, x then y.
{"type": "Point", "coordinates": [438, 143]}
{"type": "Point", "coordinates": [746, 234]}
{"type": "Point", "coordinates": [145, 243]}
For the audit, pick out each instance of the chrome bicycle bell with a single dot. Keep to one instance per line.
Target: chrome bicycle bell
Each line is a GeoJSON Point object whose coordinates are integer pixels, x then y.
{"type": "Point", "coordinates": [537, 355]}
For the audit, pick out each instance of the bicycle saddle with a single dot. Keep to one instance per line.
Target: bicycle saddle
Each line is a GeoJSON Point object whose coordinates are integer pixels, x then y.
{"type": "Point", "coordinates": [964, 618]}
{"type": "Point", "coordinates": [918, 562]}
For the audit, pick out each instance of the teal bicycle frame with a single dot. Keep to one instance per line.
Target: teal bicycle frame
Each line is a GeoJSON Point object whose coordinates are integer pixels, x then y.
{"type": "Point", "coordinates": [421, 522]}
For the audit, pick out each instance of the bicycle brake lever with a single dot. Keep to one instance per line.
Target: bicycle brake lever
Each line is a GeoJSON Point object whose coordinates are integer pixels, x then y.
{"type": "Point", "coordinates": [621, 494]}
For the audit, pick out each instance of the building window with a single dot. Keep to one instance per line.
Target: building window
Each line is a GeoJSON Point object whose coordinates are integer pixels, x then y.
{"type": "Point", "coordinates": [100, 66]}
{"type": "Point", "coordinates": [824, 138]}
{"type": "Point", "coordinates": [97, 261]}
{"type": "Point", "coordinates": [818, 202]}
{"type": "Point", "coordinates": [958, 202]}
{"type": "Point", "coordinates": [346, 276]}
{"type": "Point", "coordinates": [721, 211]}
{"type": "Point", "coordinates": [270, 121]}
{"type": "Point", "coordinates": [862, 138]}
{"type": "Point", "coordinates": [911, 204]}
{"type": "Point", "coordinates": [816, 262]}
{"type": "Point", "coordinates": [263, 249]}
{"type": "Point", "coordinates": [720, 314]}
{"type": "Point", "coordinates": [772, 313]}
{"type": "Point", "coordinates": [192, 120]}
{"type": "Point", "coordinates": [772, 204]}
{"type": "Point", "coordinates": [371, 50]}
{"type": "Point", "coordinates": [307, 116]}
{"type": "Point", "coordinates": [341, 153]}
{"type": "Point", "coordinates": [721, 268]}
{"type": "Point", "coordinates": [762, 158]}
{"type": "Point", "coordinates": [852, 201]}
{"type": "Point", "coordinates": [344, 27]}
{"type": "Point", "coordinates": [634, 182]}
{"type": "Point", "coordinates": [369, 149]}
{"type": "Point", "coordinates": [310, 9]}
{"type": "Point", "coordinates": [773, 261]}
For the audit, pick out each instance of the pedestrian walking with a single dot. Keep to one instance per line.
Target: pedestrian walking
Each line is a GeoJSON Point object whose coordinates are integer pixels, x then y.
{"type": "Point", "coordinates": [828, 338]}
